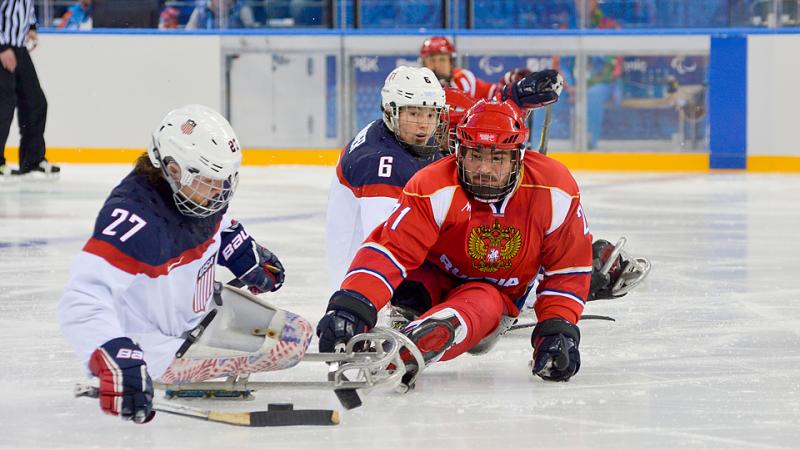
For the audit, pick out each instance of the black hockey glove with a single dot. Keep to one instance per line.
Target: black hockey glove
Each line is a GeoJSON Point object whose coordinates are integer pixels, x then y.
{"type": "Point", "coordinates": [349, 313]}
{"type": "Point", "coordinates": [555, 350]}
{"type": "Point", "coordinates": [251, 263]}
{"type": "Point", "coordinates": [535, 90]}
{"type": "Point", "coordinates": [125, 386]}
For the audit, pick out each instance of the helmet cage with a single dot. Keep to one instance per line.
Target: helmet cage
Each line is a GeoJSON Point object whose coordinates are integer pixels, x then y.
{"type": "Point", "coordinates": [438, 138]}
{"type": "Point", "coordinates": [458, 103]}
{"type": "Point", "coordinates": [199, 157]}
{"type": "Point", "coordinates": [484, 187]}
{"type": "Point", "coordinates": [191, 185]}
{"type": "Point", "coordinates": [414, 87]}
{"type": "Point", "coordinates": [490, 131]}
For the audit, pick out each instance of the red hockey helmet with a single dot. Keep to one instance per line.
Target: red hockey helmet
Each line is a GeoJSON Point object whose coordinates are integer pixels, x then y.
{"type": "Point", "coordinates": [458, 103]}
{"type": "Point", "coordinates": [490, 145]}
{"type": "Point", "coordinates": [437, 45]}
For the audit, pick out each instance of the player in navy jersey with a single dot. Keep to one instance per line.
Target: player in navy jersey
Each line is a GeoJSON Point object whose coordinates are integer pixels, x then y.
{"type": "Point", "coordinates": [381, 158]}
{"type": "Point", "coordinates": [145, 278]}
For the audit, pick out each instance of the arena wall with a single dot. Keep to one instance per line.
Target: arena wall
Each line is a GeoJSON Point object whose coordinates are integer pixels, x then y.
{"type": "Point", "coordinates": [285, 91]}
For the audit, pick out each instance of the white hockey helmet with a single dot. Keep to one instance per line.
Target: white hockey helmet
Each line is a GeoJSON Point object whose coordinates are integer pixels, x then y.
{"type": "Point", "coordinates": [419, 87]}
{"type": "Point", "coordinates": [204, 147]}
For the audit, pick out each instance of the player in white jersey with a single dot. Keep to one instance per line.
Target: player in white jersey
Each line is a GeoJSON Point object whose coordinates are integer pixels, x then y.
{"type": "Point", "coordinates": [381, 158]}
{"type": "Point", "coordinates": [141, 289]}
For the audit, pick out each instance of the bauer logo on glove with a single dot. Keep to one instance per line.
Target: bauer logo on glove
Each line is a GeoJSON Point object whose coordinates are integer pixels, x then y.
{"type": "Point", "coordinates": [251, 263]}
{"type": "Point", "coordinates": [125, 386]}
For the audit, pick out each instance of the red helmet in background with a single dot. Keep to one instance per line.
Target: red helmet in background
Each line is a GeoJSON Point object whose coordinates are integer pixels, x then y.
{"type": "Point", "coordinates": [457, 105]}
{"type": "Point", "coordinates": [437, 45]}
{"type": "Point", "coordinates": [489, 145]}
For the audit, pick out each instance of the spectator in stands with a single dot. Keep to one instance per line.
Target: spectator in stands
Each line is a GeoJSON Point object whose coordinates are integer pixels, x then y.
{"type": "Point", "coordinates": [78, 16]}
{"type": "Point", "coordinates": [603, 73]}
{"type": "Point", "coordinates": [308, 14]}
{"type": "Point", "coordinates": [169, 18]}
{"type": "Point", "coordinates": [211, 14]}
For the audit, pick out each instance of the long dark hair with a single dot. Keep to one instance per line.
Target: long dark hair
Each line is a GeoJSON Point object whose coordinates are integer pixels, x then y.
{"type": "Point", "coordinates": [146, 169]}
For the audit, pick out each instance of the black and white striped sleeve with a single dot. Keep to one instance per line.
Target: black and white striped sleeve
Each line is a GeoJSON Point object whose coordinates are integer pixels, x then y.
{"type": "Point", "coordinates": [16, 18]}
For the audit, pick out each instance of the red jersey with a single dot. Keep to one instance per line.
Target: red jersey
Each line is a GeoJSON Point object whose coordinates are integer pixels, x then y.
{"type": "Point", "coordinates": [465, 81]}
{"type": "Point", "coordinates": [540, 225]}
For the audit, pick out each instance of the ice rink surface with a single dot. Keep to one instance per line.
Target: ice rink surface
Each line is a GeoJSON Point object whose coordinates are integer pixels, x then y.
{"type": "Point", "coordinates": [705, 354]}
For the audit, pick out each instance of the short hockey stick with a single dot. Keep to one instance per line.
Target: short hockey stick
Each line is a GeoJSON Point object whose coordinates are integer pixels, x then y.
{"type": "Point", "coordinates": [545, 137]}
{"type": "Point", "coordinates": [583, 317]}
{"type": "Point", "coordinates": [277, 415]}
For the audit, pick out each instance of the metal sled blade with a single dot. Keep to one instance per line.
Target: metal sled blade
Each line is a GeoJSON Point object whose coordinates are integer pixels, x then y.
{"type": "Point", "coordinates": [633, 274]}
{"type": "Point", "coordinates": [379, 365]}
{"type": "Point", "coordinates": [634, 270]}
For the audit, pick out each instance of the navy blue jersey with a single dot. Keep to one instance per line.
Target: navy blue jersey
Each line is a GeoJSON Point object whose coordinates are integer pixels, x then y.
{"type": "Point", "coordinates": [370, 175]}
{"type": "Point", "coordinates": [146, 273]}
{"type": "Point", "coordinates": [139, 229]}
{"type": "Point", "coordinates": [376, 164]}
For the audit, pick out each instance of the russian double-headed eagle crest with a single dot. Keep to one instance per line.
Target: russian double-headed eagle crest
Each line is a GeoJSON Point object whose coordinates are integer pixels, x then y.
{"type": "Point", "coordinates": [492, 247]}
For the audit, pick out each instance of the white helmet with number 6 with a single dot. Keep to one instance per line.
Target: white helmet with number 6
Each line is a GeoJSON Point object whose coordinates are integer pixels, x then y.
{"type": "Point", "coordinates": [199, 155]}
{"type": "Point", "coordinates": [416, 91]}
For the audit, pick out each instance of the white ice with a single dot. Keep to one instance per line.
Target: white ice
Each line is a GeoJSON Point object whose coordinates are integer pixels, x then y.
{"type": "Point", "coordinates": [705, 354]}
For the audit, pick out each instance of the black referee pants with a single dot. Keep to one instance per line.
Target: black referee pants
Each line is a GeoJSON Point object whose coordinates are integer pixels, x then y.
{"type": "Point", "coordinates": [21, 90]}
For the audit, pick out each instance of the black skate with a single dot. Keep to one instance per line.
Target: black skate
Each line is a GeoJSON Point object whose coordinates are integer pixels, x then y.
{"type": "Point", "coordinates": [614, 271]}
{"type": "Point", "coordinates": [43, 168]}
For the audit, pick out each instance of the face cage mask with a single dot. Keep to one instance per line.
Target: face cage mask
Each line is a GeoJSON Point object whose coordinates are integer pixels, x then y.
{"type": "Point", "coordinates": [449, 146]}
{"type": "Point", "coordinates": [209, 205]}
{"type": "Point", "coordinates": [482, 190]}
{"type": "Point", "coordinates": [438, 139]}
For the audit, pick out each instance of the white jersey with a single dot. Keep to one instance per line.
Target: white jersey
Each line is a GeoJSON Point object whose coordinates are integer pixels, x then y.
{"type": "Point", "coordinates": [146, 273]}
{"type": "Point", "coordinates": [370, 175]}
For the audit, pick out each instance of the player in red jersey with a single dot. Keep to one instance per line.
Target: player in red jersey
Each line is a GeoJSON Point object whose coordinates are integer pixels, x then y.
{"type": "Point", "coordinates": [439, 54]}
{"type": "Point", "coordinates": [464, 247]}
{"type": "Point", "coordinates": [615, 271]}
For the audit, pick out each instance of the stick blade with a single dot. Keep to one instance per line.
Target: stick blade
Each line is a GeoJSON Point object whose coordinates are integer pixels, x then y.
{"type": "Point", "coordinates": [283, 418]}
{"type": "Point", "coordinates": [349, 398]}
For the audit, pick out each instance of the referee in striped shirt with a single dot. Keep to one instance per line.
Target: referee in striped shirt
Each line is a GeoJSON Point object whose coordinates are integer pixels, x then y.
{"type": "Point", "coordinates": [19, 88]}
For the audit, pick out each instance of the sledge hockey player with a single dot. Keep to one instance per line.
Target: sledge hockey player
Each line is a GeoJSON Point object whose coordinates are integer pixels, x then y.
{"type": "Point", "coordinates": [439, 55]}
{"type": "Point", "coordinates": [142, 303]}
{"type": "Point", "coordinates": [615, 272]}
{"type": "Point", "coordinates": [381, 158]}
{"type": "Point", "coordinates": [464, 246]}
